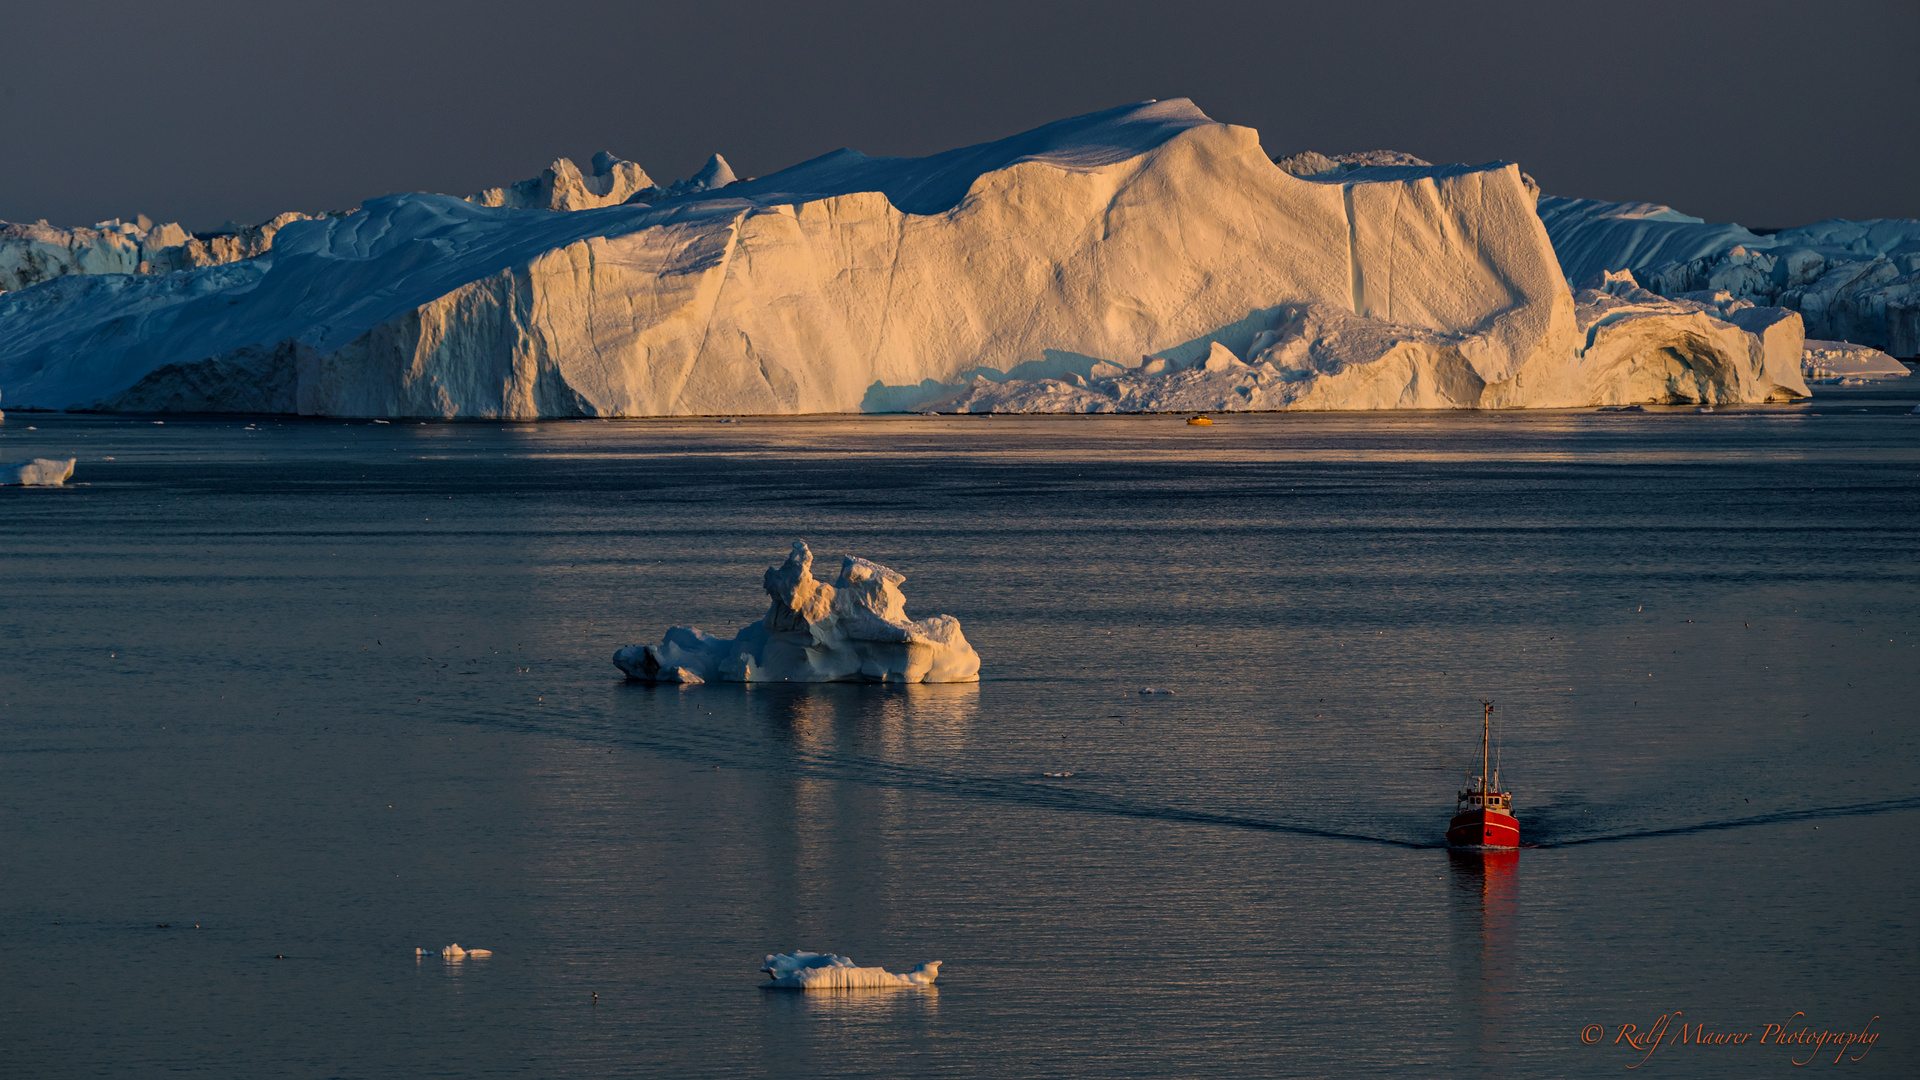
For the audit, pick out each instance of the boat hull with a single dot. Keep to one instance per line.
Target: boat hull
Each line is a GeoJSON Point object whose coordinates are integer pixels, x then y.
{"type": "Point", "coordinates": [1483, 828]}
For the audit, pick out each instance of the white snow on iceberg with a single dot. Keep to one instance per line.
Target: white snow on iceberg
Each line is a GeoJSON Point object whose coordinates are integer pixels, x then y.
{"type": "Point", "coordinates": [855, 630]}
{"type": "Point", "coordinates": [828, 971]}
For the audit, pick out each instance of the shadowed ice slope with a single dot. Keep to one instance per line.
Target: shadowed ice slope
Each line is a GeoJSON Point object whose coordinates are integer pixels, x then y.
{"type": "Point", "coordinates": [849, 283]}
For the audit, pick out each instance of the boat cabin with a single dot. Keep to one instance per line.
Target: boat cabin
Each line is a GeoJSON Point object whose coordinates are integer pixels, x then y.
{"type": "Point", "coordinates": [1497, 801]}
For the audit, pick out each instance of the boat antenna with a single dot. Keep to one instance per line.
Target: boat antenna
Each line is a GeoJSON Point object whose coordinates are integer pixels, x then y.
{"type": "Point", "coordinates": [1496, 765]}
{"type": "Point", "coordinates": [1486, 729]}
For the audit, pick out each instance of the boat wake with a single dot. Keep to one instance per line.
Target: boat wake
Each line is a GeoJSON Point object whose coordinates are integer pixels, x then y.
{"type": "Point", "coordinates": [1778, 817]}
{"type": "Point", "coordinates": [1545, 826]}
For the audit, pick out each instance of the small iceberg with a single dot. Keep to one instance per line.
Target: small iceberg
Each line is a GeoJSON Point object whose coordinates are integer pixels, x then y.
{"type": "Point", "coordinates": [827, 971]}
{"type": "Point", "coordinates": [455, 952]}
{"type": "Point", "coordinates": [1153, 690]}
{"type": "Point", "coordinates": [854, 630]}
{"type": "Point", "coordinates": [40, 472]}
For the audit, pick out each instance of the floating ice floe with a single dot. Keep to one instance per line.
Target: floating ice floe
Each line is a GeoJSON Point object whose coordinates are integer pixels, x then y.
{"type": "Point", "coordinates": [1154, 690]}
{"type": "Point", "coordinates": [855, 630]}
{"type": "Point", "coordinates": [40, 472]}
{"type": "Point", "coordinates": [455, 952]}
{"type": "Point", "coordinates": [827, 971]}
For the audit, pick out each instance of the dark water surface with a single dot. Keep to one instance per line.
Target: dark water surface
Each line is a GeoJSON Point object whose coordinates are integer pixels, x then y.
{"type": "Point", "coordinates": [329, 692]}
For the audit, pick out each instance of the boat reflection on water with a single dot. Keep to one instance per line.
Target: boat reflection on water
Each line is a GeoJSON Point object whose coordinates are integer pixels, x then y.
{"type": "Point", "coordinates": [1484, 908]}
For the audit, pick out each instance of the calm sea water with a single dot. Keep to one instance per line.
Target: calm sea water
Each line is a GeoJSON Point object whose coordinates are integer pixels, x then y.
{"type": "Point", "coordinates": [313, 694]}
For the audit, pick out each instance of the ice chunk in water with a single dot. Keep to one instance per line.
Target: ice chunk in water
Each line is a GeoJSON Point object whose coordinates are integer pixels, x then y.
{"type": "Point", "coordinates": [40, 472]}
{"type": "Point", "coordinates": [828, 971]}
{"type": "Point", "coordinates": [855, 630]}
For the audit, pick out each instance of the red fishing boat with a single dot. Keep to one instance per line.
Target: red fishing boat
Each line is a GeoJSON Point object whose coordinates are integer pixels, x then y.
{"type": "Point", "coordinates": [1484, 817]}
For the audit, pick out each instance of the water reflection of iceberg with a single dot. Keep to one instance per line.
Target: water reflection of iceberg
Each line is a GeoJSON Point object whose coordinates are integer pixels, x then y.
{"type": "Point", "coordinates": [884, 1008]}
{"type": "Point", "coordinates": [897, 722]}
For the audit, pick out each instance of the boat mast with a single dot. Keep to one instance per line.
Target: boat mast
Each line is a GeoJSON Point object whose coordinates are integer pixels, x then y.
{"type": "Point", "coordinates": [1486, 729]}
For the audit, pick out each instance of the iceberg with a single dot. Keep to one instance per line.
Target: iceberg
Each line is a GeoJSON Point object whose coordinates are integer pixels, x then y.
{"type": "Point", "coordinates": [1850, 280]}
{"type": "Point", "coordinates": [827, 971]}
{"type": "Point", "coordinates": [1833, 361]}
{"type": "Point", "coordinates": [851, 283]}
{"type": "Point", "coordinates": [855, 630]}
{"type": "Point", "coordinates": [40, 472]}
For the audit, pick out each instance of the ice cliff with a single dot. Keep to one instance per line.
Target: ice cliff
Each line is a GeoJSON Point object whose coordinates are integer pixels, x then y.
{"type": "Point", "coordinates": [855, 630]}
{"type": "Point", "coordinates": [1108, 242]}
{"type": "Point", "coordinates": [1853, 281]}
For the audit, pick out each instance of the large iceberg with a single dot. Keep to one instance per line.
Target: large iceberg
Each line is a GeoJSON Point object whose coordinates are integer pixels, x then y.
{"type": "Point", "coordinates": [855, 630]}
{"type": "Point", "coordinates": [849, 283]}
{"type": "Point", "coordinates": [1856, 281]}
{"type": "Point", "coordinates": [829, 971]}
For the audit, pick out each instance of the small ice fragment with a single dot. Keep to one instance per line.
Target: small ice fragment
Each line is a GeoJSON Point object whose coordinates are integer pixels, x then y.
{"type": "Point", "coordinates": [479, 952]}
{"type": "Point", "coordinates": [1154, 690]}
{"type": "Point", "coordinates": [1057, 775]}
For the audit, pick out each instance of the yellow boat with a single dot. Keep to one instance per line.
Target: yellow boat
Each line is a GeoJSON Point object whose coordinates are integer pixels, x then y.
{"type": "Point", "coordinates": [1199, 421]}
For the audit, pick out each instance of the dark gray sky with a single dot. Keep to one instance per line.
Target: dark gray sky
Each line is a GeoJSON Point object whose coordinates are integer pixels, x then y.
{"type": "Point", "coordinates": [1763, 112]}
